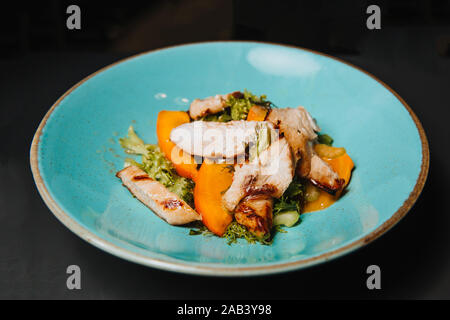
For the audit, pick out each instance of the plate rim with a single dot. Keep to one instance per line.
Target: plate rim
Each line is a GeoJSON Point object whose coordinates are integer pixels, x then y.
{"type": "Point", "coordinates": [212, 270]}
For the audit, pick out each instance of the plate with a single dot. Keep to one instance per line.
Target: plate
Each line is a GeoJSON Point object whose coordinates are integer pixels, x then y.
{"type": "Point", "coordinates": [75, 153]}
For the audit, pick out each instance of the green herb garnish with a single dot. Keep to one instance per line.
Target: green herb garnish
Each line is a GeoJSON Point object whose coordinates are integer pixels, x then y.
{"type": "Point", "coordinates": [223, 116]}
{"type": "Point", "coordinates": [325, 139]}
{"type": "Point", "coordinates": [238, 107]}
{"type": "Point", "coordinates": [132, 144]}
{"type": "Point", "coordinates": [237, 231]}
{"type": "Point", "coordinates": [241, 106]}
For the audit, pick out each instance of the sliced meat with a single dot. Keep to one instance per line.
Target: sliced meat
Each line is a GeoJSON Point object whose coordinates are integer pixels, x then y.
{"type": "Point", "coordinates": [217, 139]}
{"type": "Point", "coordinates": [154, 195]}
{"type": "Point", "coordinates": [277, 166]}
{"type": "Point", "coordinates": [323, 176]}
{"type": "Point", "coordinates": [269, 174]}
{"type": "Point", "coordinates": [245, 176]}
{"type": "Point", "coordinates": [202, 107]}
{"type": "Point", "coordinates": [255, 212]}
{"type": "Point", "coordinates": [299, 128]}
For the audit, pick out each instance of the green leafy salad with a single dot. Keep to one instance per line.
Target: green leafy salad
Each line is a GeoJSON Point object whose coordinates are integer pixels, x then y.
{"type": "Point", "coordinates": [238, 108]}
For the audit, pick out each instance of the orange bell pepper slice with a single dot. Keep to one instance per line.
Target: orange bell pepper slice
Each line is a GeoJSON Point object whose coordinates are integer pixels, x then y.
{"type": "Point", "coordinates": [183, 162]}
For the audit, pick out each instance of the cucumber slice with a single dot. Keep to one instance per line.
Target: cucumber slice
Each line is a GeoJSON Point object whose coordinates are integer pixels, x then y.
{"type": "Point", "coordinates": [287, 218]}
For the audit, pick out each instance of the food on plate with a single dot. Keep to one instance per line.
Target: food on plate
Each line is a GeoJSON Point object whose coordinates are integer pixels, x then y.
{"type": "Point", "coordinates": [299, 128]}
{"type": "Point", "coordinates": [167, 121]}
{"type": "Point", "coordinates": [218, 139]}
{"type": "Point", "coordinates": [154, 195]}
{"type": "Point", "coordinates": [156, 165]}
{"type": "Point", "coordinates": [257, 113]}
{"type": "Point", "coordinates": [236, 166]}
{"type": "Point", "coordinates": [269, 173]}
{"type": "Point", "coordinates": [213, 180]}
{"type": "Point", "coordinates": [255, 213]}
{"type": "Point", "coordinates": [211, 105]}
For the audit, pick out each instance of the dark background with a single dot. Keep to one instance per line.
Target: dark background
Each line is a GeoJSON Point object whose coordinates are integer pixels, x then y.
{"type": "Point", "coordinates": [40, 59]}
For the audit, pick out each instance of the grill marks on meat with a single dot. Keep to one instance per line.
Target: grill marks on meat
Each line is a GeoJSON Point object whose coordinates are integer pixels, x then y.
{"type": "Point", "coordinates": [167, 205]}
{"type": "Point", "coordinates": [255, 213]}
{"type": "Point", "coordinates": [172, 204]}
{"type": "Point", "coordinates": [299, 128]}
{"type": "Point", "coordinates": [323, 176]}
{"type": "Point", "coordinates": [269, 174]}
{"type": "Point", "coordinates": [141, 177]}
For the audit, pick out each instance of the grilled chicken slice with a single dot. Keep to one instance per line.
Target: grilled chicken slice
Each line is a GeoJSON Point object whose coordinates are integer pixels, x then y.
{"type": "Point", "coordinates": [255, 212]}
{"type": "Point", "coordinates": [323, 176]}
{"type": "Point", "coordinates": [167, 205]}
{"type": "Point", "coordinates": [299, 128]}
{"type": "Point", "coordinates": [269, 174]}
{"type": "Point", "coordinates": [202, 107]}
{"type": "Point", "coordinates": [218, 139]}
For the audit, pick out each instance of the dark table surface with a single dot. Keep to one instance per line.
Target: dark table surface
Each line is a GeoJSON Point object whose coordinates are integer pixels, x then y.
{"type": "Point", "coordinates": [35, 248]}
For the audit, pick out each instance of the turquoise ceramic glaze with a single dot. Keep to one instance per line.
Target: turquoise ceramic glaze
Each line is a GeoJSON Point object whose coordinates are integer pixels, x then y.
{"type": "Point", "coordinates": [75, 153]}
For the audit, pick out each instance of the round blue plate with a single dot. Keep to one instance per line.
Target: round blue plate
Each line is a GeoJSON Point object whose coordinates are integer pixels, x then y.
{"type": "Point", "coordinates": [75, 154]}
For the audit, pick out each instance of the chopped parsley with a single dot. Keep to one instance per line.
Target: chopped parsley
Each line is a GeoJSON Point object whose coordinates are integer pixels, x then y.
{"type": "Point", "coordinates": [237, 231]}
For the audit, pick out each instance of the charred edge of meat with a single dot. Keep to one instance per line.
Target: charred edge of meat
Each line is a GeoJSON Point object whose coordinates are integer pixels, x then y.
{"type": "Point", "coordinates": [339, 183]}
{"type": "Point", "coordinates": [245, 209]}
{"type": "Point", "coordinates": [204, 113]}
{"type": "Point", "coordinates": [239, 159]}
{"type": "Point", "coordinates": [261, 225]}
{"type": "Point", "coordinates": [270, 216]}
{"type": "Point", "coordinates": [258, 225]}
{"type": "Point", "coordinates": [172, 204]}
{"type": "Point", "coordinates": [137, 177]}
{"type": "Point", "coordinates": [237, 94]}
{"type": "Point", "coordinates": [118, 173]}
{"type": "Point", "coordinates": [266, 188]}
{"type": "Point", "coordinates": [275, 125]}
